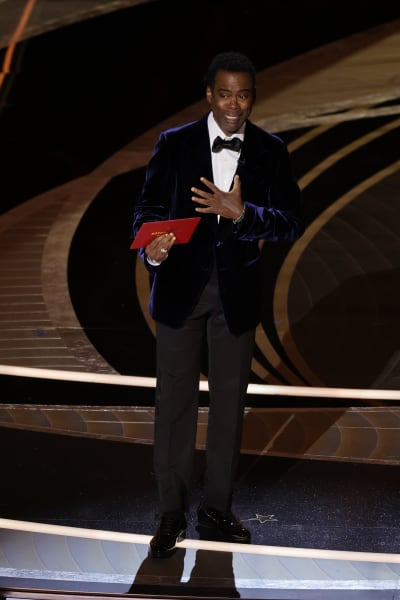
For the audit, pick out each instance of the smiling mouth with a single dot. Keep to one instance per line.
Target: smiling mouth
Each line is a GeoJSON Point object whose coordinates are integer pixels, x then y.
{"type": "Point", "coordinates": [232, 118]}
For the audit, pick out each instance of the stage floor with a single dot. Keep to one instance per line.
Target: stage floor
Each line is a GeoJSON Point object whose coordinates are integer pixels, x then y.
{"type": "Point", "coordinates": [102, 563]}
{"type": "Point", "coordinates": [79, 510]}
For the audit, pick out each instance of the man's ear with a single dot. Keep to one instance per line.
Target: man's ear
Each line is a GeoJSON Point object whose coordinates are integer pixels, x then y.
{"type": "Point", "coordinates": [209, 94]}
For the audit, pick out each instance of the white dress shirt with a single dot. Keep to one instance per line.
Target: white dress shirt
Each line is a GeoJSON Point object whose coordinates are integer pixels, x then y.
{"type": "Point", "coordinates": [224, 163]}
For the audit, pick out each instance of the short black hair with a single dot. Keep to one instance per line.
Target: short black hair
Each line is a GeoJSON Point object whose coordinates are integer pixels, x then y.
{"type": "Point", "coordinates": [235, 62]}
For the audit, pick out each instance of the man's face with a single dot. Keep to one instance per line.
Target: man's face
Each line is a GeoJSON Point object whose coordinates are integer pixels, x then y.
{"type": "Point", "coordinates": [231, 100]}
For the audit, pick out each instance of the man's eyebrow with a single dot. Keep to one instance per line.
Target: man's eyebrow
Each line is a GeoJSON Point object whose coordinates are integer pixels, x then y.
{"type": "Point", "coordinates": [221, 89]}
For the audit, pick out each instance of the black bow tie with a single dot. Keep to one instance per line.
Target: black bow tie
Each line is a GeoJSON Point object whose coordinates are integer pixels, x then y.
{"type": "Point", "coordinates": [232, 144]}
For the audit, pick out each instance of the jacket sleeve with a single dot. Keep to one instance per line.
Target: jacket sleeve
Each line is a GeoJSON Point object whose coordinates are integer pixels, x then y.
{"type": "Point", "coordinates": [152, 204]}
{"type": "Point", "coordinates": [275, 212]}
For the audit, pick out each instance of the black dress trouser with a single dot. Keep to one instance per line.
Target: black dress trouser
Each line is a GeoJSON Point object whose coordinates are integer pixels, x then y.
{"type": "Point", "coordinates": [179, 357]}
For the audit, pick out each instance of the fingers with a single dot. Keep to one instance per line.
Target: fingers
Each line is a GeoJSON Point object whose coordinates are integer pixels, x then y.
{"type": "Point", "coordinates": [236, 184]}
{"type": "Point", "coordinates": [203, 196]}
{"type": "Point", "coordinates": [159, 248]}
{"type": "Point", "coordinates": [208, 199]}
{"type": "Point", "coordinates": [217, 201]}
{"type": "Point", "coordinates": [211, 186]}
{"type": "Point", "coordinates": [164, 244]}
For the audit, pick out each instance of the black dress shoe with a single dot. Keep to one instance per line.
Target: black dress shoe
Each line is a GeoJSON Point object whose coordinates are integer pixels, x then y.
{"type": "Point", "coordinates": [172, 530]}
{"type": "Point", "coordinates": [227, 527]}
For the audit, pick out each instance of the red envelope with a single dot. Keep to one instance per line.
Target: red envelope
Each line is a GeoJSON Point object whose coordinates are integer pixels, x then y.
{"type": "Point", "coordinates": [181, 228]}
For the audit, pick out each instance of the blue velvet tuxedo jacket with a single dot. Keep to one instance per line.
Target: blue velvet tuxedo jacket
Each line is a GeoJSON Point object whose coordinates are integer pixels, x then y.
{"type": "Point", "coordinates": [273, 212]}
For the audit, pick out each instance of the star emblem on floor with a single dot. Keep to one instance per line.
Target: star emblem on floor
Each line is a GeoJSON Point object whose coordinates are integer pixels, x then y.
{"type": "Point", "coordinates": [263, 518]}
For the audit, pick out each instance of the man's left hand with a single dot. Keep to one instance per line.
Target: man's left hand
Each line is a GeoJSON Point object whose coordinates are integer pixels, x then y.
{"type": "Point", "coordinates": [226, 204]}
